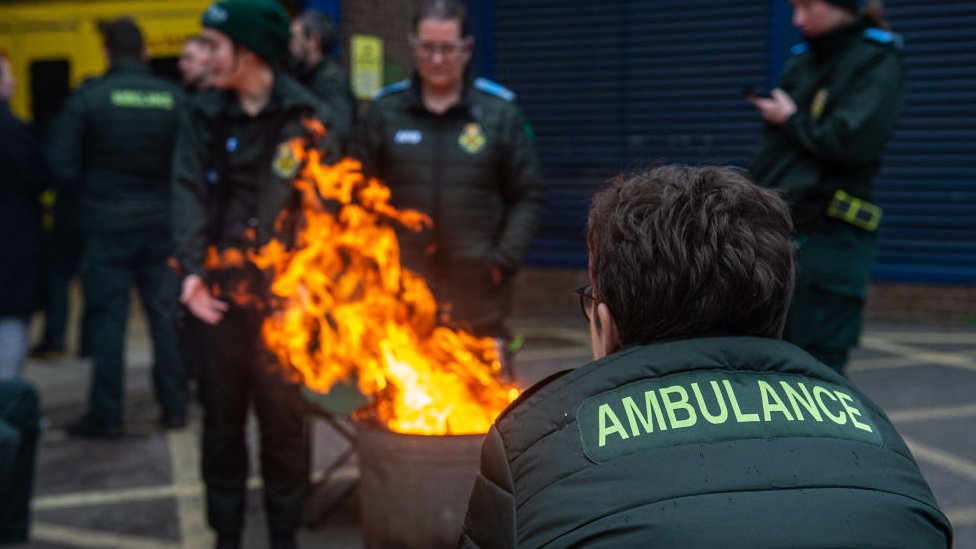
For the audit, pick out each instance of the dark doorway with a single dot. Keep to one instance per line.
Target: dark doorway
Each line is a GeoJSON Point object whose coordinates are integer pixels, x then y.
{"type": "Point", "coordinates": [49, 87]}
{"type": "Point", "coordinates": [166, 67]}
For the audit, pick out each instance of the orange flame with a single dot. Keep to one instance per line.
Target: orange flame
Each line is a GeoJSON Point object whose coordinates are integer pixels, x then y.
{"type": "Point", "coordinates": [348, 310]}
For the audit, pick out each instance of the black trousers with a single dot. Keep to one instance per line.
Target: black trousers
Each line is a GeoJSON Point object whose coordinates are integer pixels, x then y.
{"type": "Point", "coordinates": [236, 369]}
{"type": "Point", "coordinates": [20, 416]}
{"type": "Point", "coordinates": [113, 263]}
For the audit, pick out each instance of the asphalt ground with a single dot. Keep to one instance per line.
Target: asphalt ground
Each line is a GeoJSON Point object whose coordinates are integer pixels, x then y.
{"type": "Point", "coordinates": [144, 491]}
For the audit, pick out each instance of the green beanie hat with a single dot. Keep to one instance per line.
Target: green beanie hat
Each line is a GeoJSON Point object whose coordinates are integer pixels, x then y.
{"type": "Point", "coordinates": [259, 25]}
{"type": "Point", "coordinates": [852, 5]}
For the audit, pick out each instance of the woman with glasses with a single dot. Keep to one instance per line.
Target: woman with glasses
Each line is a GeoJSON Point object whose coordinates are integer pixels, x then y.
{"type": "Point", "coordinates": [459, 150]}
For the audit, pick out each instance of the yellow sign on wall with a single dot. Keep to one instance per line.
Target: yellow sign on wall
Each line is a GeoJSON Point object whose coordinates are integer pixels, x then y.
{"type": "Point", "coordinates": [366, 62]}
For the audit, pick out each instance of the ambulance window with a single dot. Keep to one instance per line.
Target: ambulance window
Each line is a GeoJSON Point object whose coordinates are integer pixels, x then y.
{"type": "Point", "coordinates": [49, 87]}
{"type": "Point", "coordinates": [166, 67]}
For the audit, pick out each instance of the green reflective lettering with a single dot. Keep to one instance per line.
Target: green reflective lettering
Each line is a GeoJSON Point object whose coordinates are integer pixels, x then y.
{"type": "Point", "coordinates": [739, 416]}
{"type": "Point", "coordinates": [137, 99]}
{"type": "Point", "coordinates": [771, 402]}
{"type": "Point", "coordinates": [845, 399]}
{"type": "Point", "coordinates": [723, 413]}
{"type": "Point", "coordinates": [818, 393]}
{"type": "Point", "coordinates": [606, 413]}
{"type": "Point", "coordinates": [796, 399]}
{"type": "Point", "coordinates": [681, 403]}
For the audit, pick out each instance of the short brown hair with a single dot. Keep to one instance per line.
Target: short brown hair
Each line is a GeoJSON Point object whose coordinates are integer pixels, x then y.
{"type": "Point", "coordinates": [442, 10]}
{"type": "Point", "coordinates": [123, 39]}
{"type": "Point", "coordinates": [678, 251]}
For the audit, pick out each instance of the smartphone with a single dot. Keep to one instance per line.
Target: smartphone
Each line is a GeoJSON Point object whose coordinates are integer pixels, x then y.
{"type": "Point", "coordinates": [754, 91]}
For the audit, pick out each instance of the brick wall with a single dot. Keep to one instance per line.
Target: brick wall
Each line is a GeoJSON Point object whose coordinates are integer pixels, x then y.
{"type": "Point", "coordinates": [948, 305]}
{"type": "Point", "coordinates": [388, 19]}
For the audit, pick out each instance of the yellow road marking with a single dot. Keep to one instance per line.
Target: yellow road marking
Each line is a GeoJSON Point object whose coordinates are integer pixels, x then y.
{"type": "Point", "coordinates": [962, 516]}
{"type": "Point", "coordinates": [930, 338]}
{"type": "Point", "coordinates": [922, 356]}
{"type": "Point", "coordinates": [882, 363]}
{"type": "Point", "coordinates": [940, 458]}
{"type": "Point", "coordinates": [122, 495]}
{"type": "Point", "coordinates": [346, 472]}
{"type": "Point", "coordinates": [184, 459]}
{"type": "Point", "coordinates": [119, 495]}
{"type": "Point", "coordinates": [79, 537]}
{"type": "Point", "coordinates": [941, 412]}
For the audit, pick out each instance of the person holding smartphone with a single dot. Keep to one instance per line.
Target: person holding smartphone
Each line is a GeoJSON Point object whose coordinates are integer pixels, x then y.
{"type": "Point", "coordinates": [826, 126]}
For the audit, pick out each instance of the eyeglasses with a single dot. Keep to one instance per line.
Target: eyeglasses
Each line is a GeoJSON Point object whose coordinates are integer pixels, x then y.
{"type": "Point", "coordinates": [587, 299]}
{"type": "Point", "coordinates": [450, 50]}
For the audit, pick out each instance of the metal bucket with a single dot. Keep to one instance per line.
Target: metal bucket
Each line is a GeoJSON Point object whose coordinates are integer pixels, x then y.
{"type": "Point", "coordinates": [414, 489]}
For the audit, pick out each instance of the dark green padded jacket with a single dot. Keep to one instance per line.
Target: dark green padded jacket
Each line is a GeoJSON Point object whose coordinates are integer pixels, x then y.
{"type": "Point", "coordinates": [329, 81]}
{"type": "Point", "coordinates": [708, 442]}
{"type": "Point", "coordinates": [113, 147]}
{"type": "Point", "coordinates": [850, 88]}
{"type": "Point", "coordinates": [227, 169]}
{"type": "Point", "coordinates": [475, 171]}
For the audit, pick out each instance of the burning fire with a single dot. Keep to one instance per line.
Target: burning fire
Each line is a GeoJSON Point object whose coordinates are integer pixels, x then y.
{"type": "Point", "coordinates": [347, 310]}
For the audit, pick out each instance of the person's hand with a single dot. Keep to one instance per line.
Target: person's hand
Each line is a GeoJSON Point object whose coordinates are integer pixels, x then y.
{"type": "Point", "coordinates": [196, 296]}
{"type": "Point", "coordinates": [775, 109]}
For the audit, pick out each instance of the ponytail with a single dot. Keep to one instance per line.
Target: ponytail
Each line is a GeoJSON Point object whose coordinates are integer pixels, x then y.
{"type": "Point", "coordinates": [873, 13]}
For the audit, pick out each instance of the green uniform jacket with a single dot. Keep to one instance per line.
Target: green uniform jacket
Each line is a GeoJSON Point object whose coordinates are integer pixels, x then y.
{"type": "Point", "coordinates": [231, 173]}
{"type": "Point", "coordinates": [706, 442]}
{"type": "Point", "coordinates": [328, 81]}
{"type": "Point", "coordinates": [113, 147]}
{"type": "Point", "coordinates": [475, 171]}
{"type": "Point", "coordinates": [850, 88]}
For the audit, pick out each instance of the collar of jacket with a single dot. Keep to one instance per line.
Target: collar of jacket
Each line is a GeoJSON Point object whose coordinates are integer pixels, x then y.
{"type": "Point", "coordinates": [285, 93]}
{"type": "Point", "coordinates": [828, 44]}
{"type": "Point", "coordinates": [417, 103]}
{"type": "Point", "coordinates": [128, 65]}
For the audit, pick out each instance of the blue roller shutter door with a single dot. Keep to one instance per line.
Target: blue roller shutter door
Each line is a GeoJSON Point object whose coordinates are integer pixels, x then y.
{"type": "Point", "coordinates": [928, 184]}
{"type": "Point", "coordinates": [611, 85]}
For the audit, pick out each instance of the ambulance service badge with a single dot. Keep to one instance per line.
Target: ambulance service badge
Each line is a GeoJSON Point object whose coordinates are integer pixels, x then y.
{"type": "Point", "coordinates": [472, 139]}
{"type": "Point", "coordinates": [819, 102]}
{"type": "Point", "coordinates": [285, 165]}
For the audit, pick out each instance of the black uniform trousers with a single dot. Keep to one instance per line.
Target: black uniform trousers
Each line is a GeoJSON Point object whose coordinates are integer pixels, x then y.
{"type": "Point", "coordinates": [236, 368]}
{"type": "Point", "coordinates": [20, 416]}
{"type": "Point", "coordinates": [834, 261]}
{"type": "Point", "coordinates": [113, 262]}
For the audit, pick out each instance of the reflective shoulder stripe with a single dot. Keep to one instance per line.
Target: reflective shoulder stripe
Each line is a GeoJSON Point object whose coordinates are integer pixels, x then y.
{"type": "Point", "coordinates": [799, 49]}
{"type": "Point", "coordinates": [882, 36]}
{"type": "Point", "coordinates": [392, 88]}
{"type": "Point", "coordinates": [494, 88]}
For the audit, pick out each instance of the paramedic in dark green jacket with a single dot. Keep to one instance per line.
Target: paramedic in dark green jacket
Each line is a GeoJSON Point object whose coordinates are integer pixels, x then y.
{"type": "Point", "coordinates": [462, 152]}
{"type": "Point", "coordinates": [827, 124]}
{"type": "Point", "coordinates": [113, 145]}
{"type": "Point", "coordinates": [695, 426]}
{"type": "Point", "coordinates": [232, 178]}
{"type": "Point", "coordinates": [312, 41]}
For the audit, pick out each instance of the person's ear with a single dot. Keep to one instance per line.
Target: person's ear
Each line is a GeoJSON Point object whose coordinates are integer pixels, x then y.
{"type": "Point", "coordinates": [609, 337]}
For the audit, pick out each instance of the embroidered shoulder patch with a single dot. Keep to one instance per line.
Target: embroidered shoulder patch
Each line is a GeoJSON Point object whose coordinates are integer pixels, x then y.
{"type": "Point", "coordinates": [285, 165]}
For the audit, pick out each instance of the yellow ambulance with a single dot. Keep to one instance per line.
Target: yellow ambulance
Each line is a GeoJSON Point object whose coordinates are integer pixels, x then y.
{"type": "Point", "coordinates": [54, 45]}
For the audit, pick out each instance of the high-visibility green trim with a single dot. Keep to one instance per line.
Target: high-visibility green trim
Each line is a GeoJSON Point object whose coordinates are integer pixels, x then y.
{"type": "Point", "coordinates": [860, 213]}
{"type": "Point", "coordinates": [138, 99]}
{"type": "Point", "coordinates": [709, 406]}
